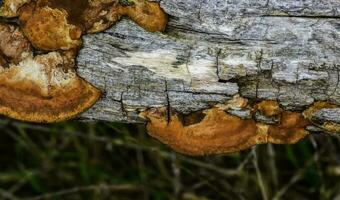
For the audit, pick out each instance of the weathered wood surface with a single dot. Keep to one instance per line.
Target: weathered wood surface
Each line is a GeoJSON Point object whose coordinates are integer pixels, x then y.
{"type": "Point", "coordinates": [261, 49]}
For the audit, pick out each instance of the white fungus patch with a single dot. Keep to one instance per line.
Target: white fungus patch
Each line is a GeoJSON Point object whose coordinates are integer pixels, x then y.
{"type": "Point", "coordinates": [13, 7]}
{"type": "Point", "coordinates": [44, 70]}
{"type": "Point", "coordinates": [30, 70]}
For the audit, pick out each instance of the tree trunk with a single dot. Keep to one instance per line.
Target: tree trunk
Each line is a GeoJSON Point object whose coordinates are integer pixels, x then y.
{"type": "Point", "coordinates": [283, 51]}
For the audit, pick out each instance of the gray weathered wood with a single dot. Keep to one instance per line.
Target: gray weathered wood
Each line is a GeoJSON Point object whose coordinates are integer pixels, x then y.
{"type": "Point", "coordinates": [213, 49]}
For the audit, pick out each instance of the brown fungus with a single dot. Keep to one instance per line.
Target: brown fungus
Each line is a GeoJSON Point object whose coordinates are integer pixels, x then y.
{"type": "Point", "coordinates": [218, 132]}
{"type": "Point", "coordinates": [38, 90]}
{"type": "Point", "coordinates": [269, 108]}
{"type": "Point", "coordinates": [237, 103]}
{"type": "Point", "coordinates": [100, 15]}
{"type": "Point", "coordinates": [65, 21]}
{"type": "Point", "coordinates": [48, 28]}
{"type": "Point", "coordinates": [213, 131]}
{"type": "Point", "coordinates": [290, 130]}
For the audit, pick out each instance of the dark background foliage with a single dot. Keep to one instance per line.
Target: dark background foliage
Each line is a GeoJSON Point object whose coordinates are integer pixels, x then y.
{"type": "Point", "coordinates": [77, 160]}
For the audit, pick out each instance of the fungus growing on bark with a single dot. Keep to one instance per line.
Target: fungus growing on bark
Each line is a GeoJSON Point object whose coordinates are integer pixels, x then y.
{"type": "Point", "coordinates": [269, 108]}
{"type": "Point", "coordinates": [100, 15]}
{"type": "Point", "coordinates": [237, 102]}
{"type": "Point", "coordinates": [218, 132]}
{"type": "Point", "coordinates": [308, 113]}
{"type": "Point", "coordinates": [48, 28]}
{"type": "Point", "coordinates": [317, 106]}
{"type": "Point", "coordinates": [214, 131]}
{"type": "Point", "coordinates": [65, 21]}
{"type": "Point", "coordinates": [290, 130]}
{"type": "Point", "coordinates": [146, 14]}
{"type": "Point", "coordinates": [38, 90]}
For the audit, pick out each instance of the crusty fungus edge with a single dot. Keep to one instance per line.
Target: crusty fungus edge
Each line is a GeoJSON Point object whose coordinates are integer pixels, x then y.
{"type": "Point", "coordinates": [209, 137]}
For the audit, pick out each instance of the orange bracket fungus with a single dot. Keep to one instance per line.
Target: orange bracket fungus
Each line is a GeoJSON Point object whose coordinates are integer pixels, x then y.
{"type": "Point", "coordinates": [38, 90]}
{"type": "Point", "coordinates": [65, 21]}
{"type": "Point", "coordinates": [215, 131]}
{"type": "Point", "coordinates": [46, 88]}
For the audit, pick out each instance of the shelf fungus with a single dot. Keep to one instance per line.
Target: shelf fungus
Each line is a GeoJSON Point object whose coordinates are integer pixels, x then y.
{"type": "Point", "coordinates": [58, 24]}
{"type": "Point", "coordinates": [38, 89]}
{"type": "Point", "coordinates": [45, 87]}
{"type": "Point", "coordinates": [215, 131]}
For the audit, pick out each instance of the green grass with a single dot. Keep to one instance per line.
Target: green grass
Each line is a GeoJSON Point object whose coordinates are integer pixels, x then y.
{"type": "Point", "coordinates": [116, 161]}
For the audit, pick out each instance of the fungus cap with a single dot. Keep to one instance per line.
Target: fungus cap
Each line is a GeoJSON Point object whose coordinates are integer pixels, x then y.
{"type": "Point", "coordinates": [218, 132]}
{"type": "Point", "coordinates": [214, 131]}
{"type": "Point", "coordinates": [66, 21]}
{"type": "Point", "coordinates": [37, 21]}
{"type": "Point", "coordinates": [38, 90]}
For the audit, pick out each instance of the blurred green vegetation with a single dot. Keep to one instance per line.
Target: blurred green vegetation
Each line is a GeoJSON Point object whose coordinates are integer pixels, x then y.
{"type": "Point", "coordinates": [77, 160]}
